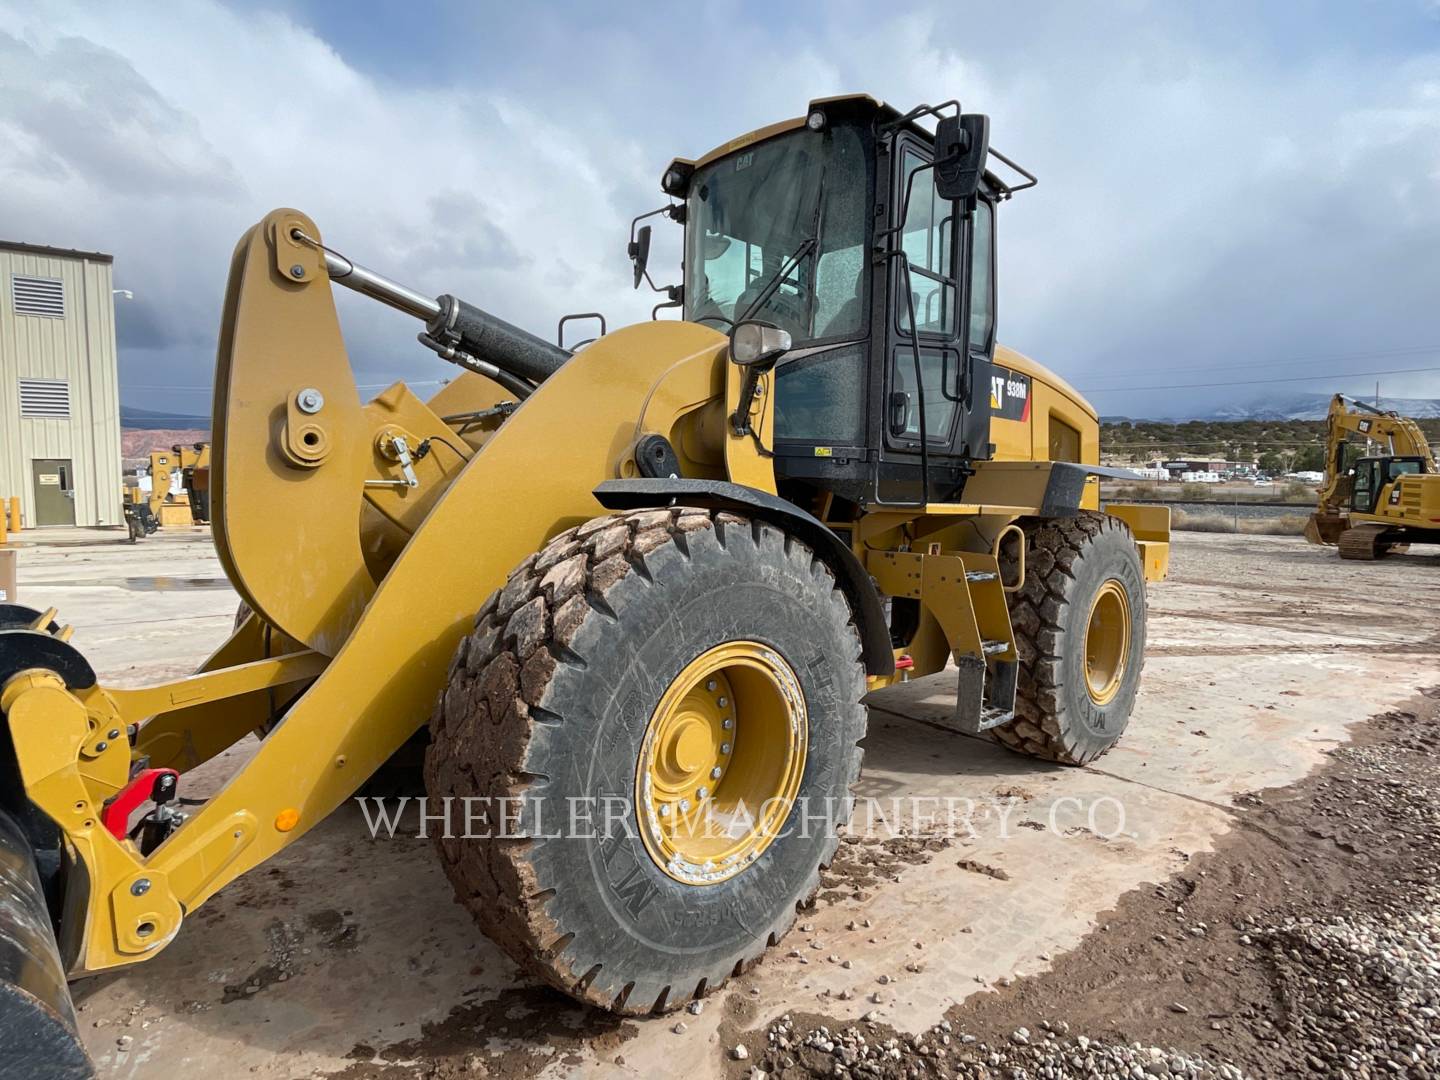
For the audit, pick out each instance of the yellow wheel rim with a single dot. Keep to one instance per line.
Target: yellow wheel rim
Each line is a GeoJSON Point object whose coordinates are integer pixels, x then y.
{"type": "Point", "coordinates": [721, 762]}
{"type": "Point", "coordinates": [1107, 642]}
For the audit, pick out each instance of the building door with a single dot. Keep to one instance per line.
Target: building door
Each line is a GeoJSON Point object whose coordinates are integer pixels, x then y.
{"type": "Point", "coordinates": [54, 491]}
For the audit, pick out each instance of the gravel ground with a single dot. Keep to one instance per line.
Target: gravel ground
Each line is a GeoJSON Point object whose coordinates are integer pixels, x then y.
{"type": "Point", "coordinates": [1306, 944]}
{"type": "Point", "coordinates": [345, 957]}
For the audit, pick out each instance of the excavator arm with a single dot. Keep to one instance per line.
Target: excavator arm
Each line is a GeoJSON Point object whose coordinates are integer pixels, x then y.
{"type": "Point", "coordinates": [1398, 435]}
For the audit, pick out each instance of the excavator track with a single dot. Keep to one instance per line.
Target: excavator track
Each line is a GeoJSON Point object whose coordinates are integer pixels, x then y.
{"type": "Point", "coordinates": [1364, 542]}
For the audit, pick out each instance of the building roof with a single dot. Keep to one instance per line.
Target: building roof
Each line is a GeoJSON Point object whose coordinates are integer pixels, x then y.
{"type": "Point", "coordinates": [65, 253]}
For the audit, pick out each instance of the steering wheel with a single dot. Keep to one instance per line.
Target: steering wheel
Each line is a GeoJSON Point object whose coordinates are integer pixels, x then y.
{"type": "Point", "coordinates": [787, 312]}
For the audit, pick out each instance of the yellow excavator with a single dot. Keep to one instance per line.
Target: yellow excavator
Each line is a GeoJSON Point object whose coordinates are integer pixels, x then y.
{"type": "Point", "coordinates": [142, 508]}
{"type": "Point", "coordinates": [1383, 499]}
{"type": "Point", "coordinates": [625, 600]}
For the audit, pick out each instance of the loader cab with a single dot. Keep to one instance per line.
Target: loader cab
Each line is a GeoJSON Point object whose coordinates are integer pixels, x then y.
{"type": "Point", "coordinates": [1369, 477]}
{"type": "Point", "coordinates": [811, 226]}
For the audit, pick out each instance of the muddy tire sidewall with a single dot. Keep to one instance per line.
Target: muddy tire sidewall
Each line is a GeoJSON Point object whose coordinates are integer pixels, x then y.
{"type": "Point", "coordinates": [1109, 556]}
{"type": "Point", "coordinates": [587, 907]}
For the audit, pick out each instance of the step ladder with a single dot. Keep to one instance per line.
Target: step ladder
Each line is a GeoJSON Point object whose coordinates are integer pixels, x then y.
{"type": "Point", "coordinates": [965, 593]}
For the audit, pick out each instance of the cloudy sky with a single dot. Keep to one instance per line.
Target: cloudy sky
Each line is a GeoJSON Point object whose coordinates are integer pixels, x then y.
{"type": "Point", "coordinates": [1237, 200]}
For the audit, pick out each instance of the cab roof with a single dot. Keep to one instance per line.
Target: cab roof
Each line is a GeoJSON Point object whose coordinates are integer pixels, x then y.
{"type": "Point", "coordinates": [779, 128]}
{"type": "Point", "coordinates": [849, 102]}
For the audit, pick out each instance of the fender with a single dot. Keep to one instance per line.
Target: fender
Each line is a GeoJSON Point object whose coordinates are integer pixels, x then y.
{"type": "Point", "coordinates": [854, 582]}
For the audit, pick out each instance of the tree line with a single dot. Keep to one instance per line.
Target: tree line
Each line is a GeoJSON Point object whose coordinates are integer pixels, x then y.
{"type": "Point", "coordinates": [1276, 446]}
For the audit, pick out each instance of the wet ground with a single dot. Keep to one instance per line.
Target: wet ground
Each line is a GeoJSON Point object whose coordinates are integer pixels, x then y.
{"type": "Point", "coordinates": [345, 956]}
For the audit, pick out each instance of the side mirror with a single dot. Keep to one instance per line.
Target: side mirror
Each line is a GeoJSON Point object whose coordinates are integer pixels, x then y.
{"type": "Point", "coordinates": [756, 346]}
{"type": "Point", "coordinates": [639, 251]}
{"type": "Point", "coordinates": [961, 146]}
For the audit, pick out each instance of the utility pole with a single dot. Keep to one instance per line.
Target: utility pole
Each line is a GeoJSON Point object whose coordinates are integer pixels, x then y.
{"type": "Point", "coordinates": [1377, 393]}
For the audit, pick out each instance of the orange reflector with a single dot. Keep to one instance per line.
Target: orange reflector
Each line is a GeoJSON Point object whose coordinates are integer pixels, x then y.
{"type": "Point", "coordinates": [287, 819]}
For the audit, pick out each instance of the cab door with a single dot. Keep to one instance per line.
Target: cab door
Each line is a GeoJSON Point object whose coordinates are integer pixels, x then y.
{"type": "Point", "coordinates": [1366, 485]}
{"type": "Point", "coordinates": [950, 281]}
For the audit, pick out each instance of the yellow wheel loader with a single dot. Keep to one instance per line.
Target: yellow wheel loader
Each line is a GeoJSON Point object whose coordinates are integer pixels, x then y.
{"type": "Point", "coordinates": [626, 599]}
{"type": "Point", "coordinates": [1380, 500]}
{"type": "Point", "coordinates": [142, 510]}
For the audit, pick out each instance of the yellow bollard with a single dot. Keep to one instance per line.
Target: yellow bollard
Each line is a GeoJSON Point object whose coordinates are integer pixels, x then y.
{"type": "Point", "coordinates": [15, 525]}
{"type": "Point", "coordinates": [4, 537]}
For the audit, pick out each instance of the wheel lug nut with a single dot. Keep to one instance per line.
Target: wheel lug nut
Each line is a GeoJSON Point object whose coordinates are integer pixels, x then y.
{"type": "Point", "coordinates": [711, 686]}
{"type": "Point", "coordinates": [723, 701]}
{"type": "Point", "coordinates": [684, 805]}
{"type": "Point", "coordinates": [715, 773]}
{"type": "Point", "coordinates": [724, 748]}
{"type": "Point", "coordinates": [664, 809]}
{"type": "Point", "coordinates": [701, 793]}
{"type": "Point", "coordinates": [727, 723]}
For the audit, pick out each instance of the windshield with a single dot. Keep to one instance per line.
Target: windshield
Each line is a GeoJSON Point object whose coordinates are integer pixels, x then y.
{"type": "Point", "coordinates": [750, 214]}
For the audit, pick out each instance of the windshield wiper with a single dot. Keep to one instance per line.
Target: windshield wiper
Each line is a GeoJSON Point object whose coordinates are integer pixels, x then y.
{"type": "Point", "coordinates": [796, 257]}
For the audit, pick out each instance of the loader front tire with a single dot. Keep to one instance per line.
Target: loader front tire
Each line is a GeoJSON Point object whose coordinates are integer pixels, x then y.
{"type": "Point", "coordinates": [637, 663]}
{"type": "Point", "coordinates": [1079, 623]}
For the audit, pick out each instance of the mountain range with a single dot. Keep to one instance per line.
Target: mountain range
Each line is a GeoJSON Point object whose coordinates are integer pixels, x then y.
{"type": "Point", "coordinates": [133, 419]}
{"type": "Point", "coordinates": [1292, 407]}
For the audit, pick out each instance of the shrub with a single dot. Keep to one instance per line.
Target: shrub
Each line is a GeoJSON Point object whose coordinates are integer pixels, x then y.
{"type": "Point", "coordinates": [1288, 525]}
{"type": "Point", "coordinates": [1297, 491]}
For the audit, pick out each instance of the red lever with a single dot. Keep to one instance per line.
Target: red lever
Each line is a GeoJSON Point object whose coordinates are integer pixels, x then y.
{"type": "Point", "coordinates": [148, 784]}
{"type": "Point", "coordinates": [904, 663]}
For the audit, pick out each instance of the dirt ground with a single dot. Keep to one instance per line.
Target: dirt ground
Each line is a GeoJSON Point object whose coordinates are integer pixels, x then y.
{"type": "Point", "coordinates": [1306, 943]}
{"type": "Point", "coordinates": [1245, 884]}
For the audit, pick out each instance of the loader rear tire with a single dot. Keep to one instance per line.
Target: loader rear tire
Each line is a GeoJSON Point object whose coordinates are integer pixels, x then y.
{"type": "Point", "coordinates": [595, 645]}
{"type": "Point", "coordinates": [1079, 623]}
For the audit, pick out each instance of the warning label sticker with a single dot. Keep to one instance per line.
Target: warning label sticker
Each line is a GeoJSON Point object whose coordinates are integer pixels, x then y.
{"type": "Point", "coordinates": [1009, 394]}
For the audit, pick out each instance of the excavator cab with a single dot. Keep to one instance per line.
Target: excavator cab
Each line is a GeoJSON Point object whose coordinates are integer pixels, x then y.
{"type": "Point", "coordinates": [1371, 475]}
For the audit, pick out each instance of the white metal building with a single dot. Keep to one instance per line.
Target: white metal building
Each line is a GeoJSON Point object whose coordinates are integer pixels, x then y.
{"type": "Point", "coordinates": [59, 386]}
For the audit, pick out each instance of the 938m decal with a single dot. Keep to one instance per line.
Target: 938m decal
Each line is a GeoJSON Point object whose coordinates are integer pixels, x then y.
{"type": "Point", "coordinates": [1009, 394]}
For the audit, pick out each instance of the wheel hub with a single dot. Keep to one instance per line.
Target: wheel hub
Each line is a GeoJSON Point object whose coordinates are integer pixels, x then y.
{"type": "Point", "coordinates": [721, 762]}
{"type": "Point", "coordinates": [1107, 642]}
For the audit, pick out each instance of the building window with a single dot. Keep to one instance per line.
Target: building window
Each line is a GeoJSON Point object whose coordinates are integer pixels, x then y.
{"type": "Point", "coordinates": [40, 296]}
{"type": "Point", "coordinates": [47, 399]}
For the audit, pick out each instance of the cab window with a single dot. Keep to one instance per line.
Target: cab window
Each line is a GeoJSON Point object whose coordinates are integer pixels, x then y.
{"type": "Point", "coordinates": [936, 366]}
{"type": "Point", "coordinates": [982, 291]}
{"type": "Point", "coordinates": [925, 238]}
